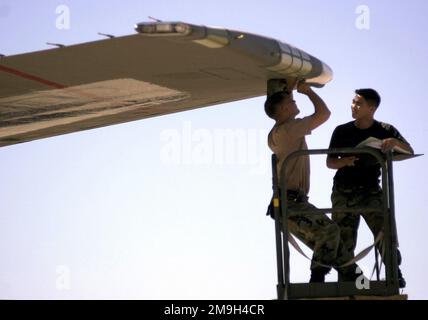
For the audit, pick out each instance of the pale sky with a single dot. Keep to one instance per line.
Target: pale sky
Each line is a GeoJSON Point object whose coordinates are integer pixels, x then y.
{"type": "Point", "coordinates": [106, 214]}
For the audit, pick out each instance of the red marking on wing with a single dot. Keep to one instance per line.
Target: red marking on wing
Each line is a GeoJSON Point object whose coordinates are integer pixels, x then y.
{"type": "Point", "coordinates": [31, 77]}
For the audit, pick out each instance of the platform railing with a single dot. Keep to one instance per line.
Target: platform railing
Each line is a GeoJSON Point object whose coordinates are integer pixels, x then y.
{"type": "Point", "coordinates": [288, 290]}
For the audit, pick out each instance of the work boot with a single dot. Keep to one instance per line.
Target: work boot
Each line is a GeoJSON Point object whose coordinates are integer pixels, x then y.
{"type": "Point", "coordinates": [318, 274]}
{"type": "Point", "coordinates": [401, 280]}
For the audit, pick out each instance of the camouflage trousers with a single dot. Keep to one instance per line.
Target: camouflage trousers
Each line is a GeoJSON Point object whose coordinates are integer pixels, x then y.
{"type": "Point", "coordinates": [349, 222]}
{"type": "Point", "coordinates": [319, 233]}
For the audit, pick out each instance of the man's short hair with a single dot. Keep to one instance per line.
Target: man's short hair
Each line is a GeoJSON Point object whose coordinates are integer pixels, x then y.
{"type": "Point", "coordinates": [272, 102]}
{"type": "Point", "coordinates": [370, 95]}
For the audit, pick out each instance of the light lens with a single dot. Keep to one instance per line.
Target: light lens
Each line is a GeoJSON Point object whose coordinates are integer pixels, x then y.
{"type": "Point", "coordinates": [162, 28]}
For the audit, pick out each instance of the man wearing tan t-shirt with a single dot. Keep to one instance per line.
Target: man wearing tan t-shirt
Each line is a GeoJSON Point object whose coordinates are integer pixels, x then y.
{"type": "Point", "coordinates": [318, 232]}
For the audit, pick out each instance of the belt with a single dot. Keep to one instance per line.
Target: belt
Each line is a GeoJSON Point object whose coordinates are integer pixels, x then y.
{"type": "Point", "coordinates": [353, 189]}
{"type": "Point", "coordinates": [292, 195]}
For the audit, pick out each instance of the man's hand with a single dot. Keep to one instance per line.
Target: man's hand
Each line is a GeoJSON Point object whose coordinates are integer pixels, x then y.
{"type": "Point", "coordinates": [339, 163]}
{"type": "Point", "coordinates": [348, 161]}
{"type": "Point", "coordinates": [389, 144]}
{"type": "Point", "coordinates": [304, 88]}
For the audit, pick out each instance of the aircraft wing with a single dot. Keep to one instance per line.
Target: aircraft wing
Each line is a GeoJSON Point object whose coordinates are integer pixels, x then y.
{"type": "Point", "coordinates": [163, 68]}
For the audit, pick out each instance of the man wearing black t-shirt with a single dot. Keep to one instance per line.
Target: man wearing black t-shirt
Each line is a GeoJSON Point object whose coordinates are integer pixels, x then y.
{"type": "Point", "coordinates": [356, 183]}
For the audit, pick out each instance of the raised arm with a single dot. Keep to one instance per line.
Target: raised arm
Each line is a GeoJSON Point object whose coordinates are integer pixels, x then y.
{"type": "Point", "coordinates": [322, 113]}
